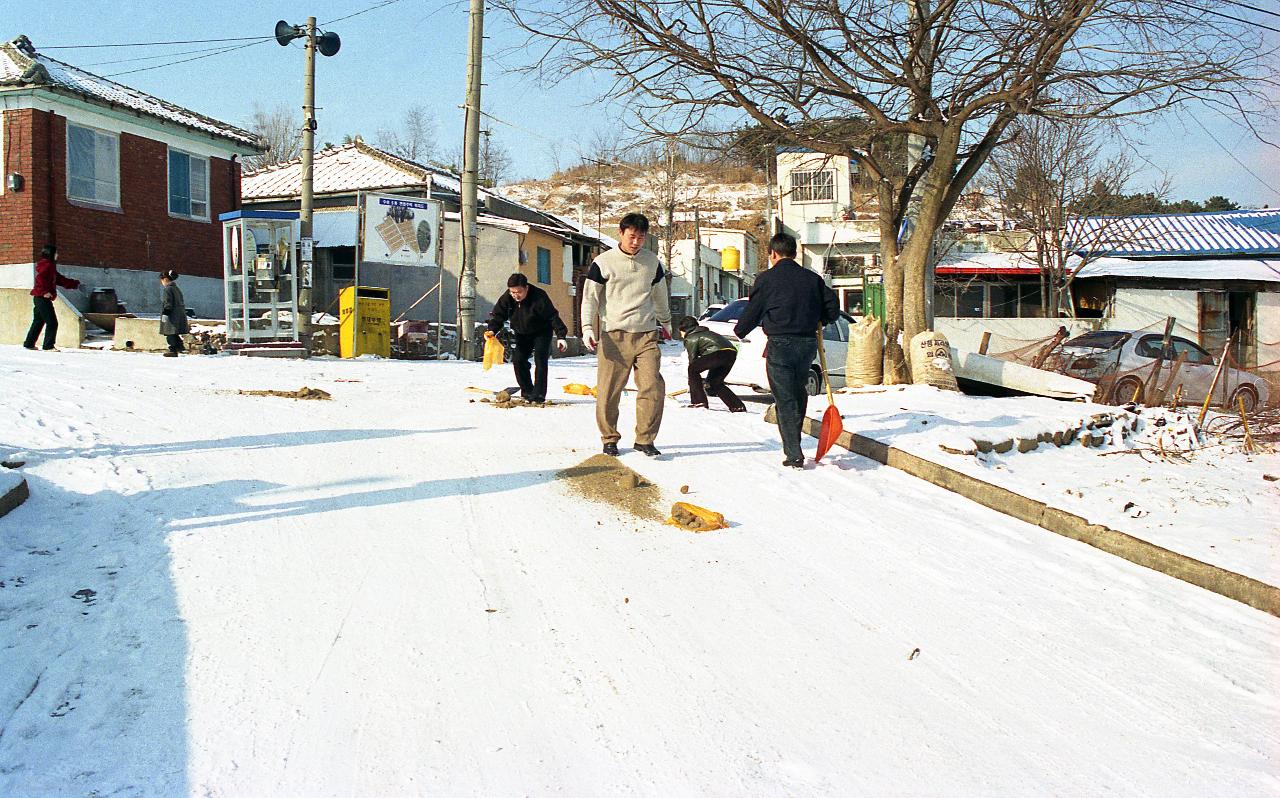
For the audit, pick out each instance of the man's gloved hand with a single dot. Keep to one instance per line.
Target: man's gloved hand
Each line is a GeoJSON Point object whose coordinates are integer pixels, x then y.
{"type": "Point", "coordinates": [488, 334]}
{"type": "Point", "coordinates": [562, 345]}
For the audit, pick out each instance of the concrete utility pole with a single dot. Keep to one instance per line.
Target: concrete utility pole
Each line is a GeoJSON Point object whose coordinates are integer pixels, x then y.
{"type": "Point", "coordinates": [308, 150]}
{"type": "Point", "coordinates": [470, 176]}
{"type": "Point", "coordinates": [698, 286]}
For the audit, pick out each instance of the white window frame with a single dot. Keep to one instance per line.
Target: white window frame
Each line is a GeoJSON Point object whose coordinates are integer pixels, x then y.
{"type": "Point", "coordinates": [168, 165]}
{"type": "Point", "coordinates": [806, 191]}
{"type": "Point", "coordinates": [94, 201]}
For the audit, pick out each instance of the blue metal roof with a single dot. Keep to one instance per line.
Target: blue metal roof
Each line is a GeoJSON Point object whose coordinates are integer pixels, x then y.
{"type": "Point", "coordinates": [243, 214]}
{"type": "Point", "coordinates": [1228, 233]}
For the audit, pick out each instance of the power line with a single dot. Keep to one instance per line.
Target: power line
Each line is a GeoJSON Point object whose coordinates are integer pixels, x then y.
{"type": "Point", "coordinates": [193, 58]}
{"type": "Point", "coordinates": [1233, 157]}
{"type": "Point", "coordinates": [373, 7]}
{"type": "Point", "coordinates": [1252, 8]}
{"type": "Point", "coordinates": [1193, 7]}
{"type": "Point", "coordinates": [147, 44]}
{"type": "Point", "coordinates": [135, 59]}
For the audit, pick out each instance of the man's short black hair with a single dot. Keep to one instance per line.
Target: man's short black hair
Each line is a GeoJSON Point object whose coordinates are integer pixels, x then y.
{"type": "Point", "coordinates": [48, 251]}
{"type": "Point", "coordinates": [783, 244]}
{"type": "Point", "coordinates": [688, 323]}
{"type": "Point", "coordinates": [516, 280]}
{"type": "Point", "coordinates": [635, 221]}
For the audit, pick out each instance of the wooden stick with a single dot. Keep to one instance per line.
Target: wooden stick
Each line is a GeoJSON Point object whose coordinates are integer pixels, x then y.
{"type": "Point", "coordinates": [985, 342]}
{"type": "Point", "coordinates": [1208, 397]}
{"type": "Point", "coordinates": [1248, 436]}
{"type": "Point", "coordinates": [1158, 399]}
{"type": "Point", "coordinates": [430, 291]}
{"type": "Point", "coordinates": [1177, 397]}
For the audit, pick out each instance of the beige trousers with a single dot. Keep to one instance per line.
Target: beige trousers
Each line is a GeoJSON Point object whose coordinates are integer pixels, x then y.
{"type": "Point", "coordinates": [620, 352]}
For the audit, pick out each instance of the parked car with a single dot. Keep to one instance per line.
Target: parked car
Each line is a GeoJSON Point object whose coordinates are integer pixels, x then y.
{"type": "Point", "coordinates": [1129, 355]}
{"type": "Point", "coordinates": [711, 311]}
{"type": "Point", "coordinates": [749, 369]}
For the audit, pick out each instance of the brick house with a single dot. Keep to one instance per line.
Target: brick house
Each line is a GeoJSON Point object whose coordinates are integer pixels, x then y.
{"type": "Point", "coordinates": [125, 184]}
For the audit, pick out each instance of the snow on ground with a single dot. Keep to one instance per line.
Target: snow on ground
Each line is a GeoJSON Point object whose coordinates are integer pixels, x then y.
{"type": "Point", "coordinates": [1211, 504]}
{"type": "Point", "coordinates": [389, 594]}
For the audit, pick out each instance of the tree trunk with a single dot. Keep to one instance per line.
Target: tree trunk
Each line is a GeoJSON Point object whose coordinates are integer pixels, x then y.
{"type": "Point", "coordinates": [895, 364]}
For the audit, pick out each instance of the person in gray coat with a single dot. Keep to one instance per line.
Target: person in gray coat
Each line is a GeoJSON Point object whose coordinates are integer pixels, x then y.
{"type": "Point", "coordinates": [173, 313]}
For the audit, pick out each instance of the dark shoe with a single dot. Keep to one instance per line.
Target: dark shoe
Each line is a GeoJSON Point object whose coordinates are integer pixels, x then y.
{"type": "Point", "coordinates": [794, 463]}
{"type": "Point", "coordinates": [737, 410]}
{"type": "Point", "coordinates": [697, 404]}
{"type": "Point", "coordinates": [50, 349]}
{"type": "Point", "coordinates": [32, 347]}
{"type": "Point", "coordinates": [611, 449]}
{"type": "Point", "coordinates": [170, 354]}
{"type": "Point", "coordinates": [647, 449]}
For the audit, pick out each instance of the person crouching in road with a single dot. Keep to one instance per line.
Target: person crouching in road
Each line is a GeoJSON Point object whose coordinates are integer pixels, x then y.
{"type": "Point", "coordinates": [173, 313]}
{"type": "Point", "coordinates": [534, 319]}
{"type": "Point", "coordinates": [624, 299]}
{"type": "Point", "coordinates": [43, 294]}
{"type": "Point", "coordinates": [711, 353]}
{"type": "Point", "coordinates": [792, 304]}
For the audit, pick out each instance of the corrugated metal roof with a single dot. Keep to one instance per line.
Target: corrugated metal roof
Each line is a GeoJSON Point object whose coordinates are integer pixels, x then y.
{"type": "Point", "coordinates": [1242, 233]}
{"type": "Point", "coordinates": [1002, 263]}
{"type": "Point", "coordinates": [22, 66]}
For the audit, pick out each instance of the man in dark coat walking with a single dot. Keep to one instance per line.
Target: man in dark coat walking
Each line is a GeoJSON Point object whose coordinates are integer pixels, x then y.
{"type": "Point", "coordinates": [792, 304]}
{"type": "Point", "coordinates": [714, 354]}
{"type": "Point", "coordinates": [48, 281]}
{"type": "Point", "coordinates": [534, 319]}
{"type": "Point", "coordinates": [173, 313]}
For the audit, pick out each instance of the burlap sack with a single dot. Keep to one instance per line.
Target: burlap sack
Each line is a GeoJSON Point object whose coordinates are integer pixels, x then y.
{"type": "Point", "coordinates": [864, 360]}
{"type": "Point", "coordinates": [930, 356]}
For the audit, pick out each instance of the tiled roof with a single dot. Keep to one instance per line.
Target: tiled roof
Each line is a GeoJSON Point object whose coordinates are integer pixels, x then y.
{"type": "Point", "coordinates": [22, 66]}
{"type": "Point", "coordinates": [1240, 233]}
{"type": "Point", "coordinates": [339, 170]}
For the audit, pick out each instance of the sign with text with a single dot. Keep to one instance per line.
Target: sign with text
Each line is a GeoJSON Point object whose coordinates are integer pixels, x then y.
{"type": "Point", "coordinates": [402, 230]}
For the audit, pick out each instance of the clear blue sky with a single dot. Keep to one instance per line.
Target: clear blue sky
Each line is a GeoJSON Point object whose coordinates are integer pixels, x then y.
{"type": "Point", "coordinates": [414, 52]}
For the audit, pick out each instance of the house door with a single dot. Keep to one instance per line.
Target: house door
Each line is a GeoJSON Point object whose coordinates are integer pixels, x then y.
{"type": "Point", "coordinates": [1241, 326]}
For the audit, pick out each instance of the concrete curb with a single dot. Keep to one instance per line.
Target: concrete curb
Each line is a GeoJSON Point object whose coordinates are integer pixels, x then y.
{"type": "Point", "coordinates": [1230, 584]}
{"type": "Point", "coordinates": [14, 497]}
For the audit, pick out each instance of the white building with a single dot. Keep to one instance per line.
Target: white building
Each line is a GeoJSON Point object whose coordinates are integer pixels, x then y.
{"type": "Point", "coordinates": [691, 291]}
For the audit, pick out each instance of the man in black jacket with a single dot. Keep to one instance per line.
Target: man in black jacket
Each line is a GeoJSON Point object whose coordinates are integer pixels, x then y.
{"type": "Point", "coordinates": [791, 304]}
{"type": "Point", "coordinates": [533, 319]}
{"type": "Point", "coordinates": [714, 354]}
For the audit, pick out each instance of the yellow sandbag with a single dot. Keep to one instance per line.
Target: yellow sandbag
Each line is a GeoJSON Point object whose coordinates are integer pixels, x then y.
{"type": "Point", "coordinates": [578, 389]}
{"type": "Point", "coordinates": [695, 518]}
{"type": "Point", "coordinates": [493, 353]}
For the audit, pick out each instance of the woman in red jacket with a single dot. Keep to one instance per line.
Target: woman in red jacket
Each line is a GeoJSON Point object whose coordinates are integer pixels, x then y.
{"type": "Point", "coordinates": [46, 290]}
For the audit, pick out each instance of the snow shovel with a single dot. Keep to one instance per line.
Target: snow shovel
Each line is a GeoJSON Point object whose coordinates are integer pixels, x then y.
{"type": "Point", "coordinates": [832, 424]}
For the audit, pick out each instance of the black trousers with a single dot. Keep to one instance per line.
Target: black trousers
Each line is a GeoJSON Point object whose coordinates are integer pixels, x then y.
{"type": "Point", "coordinates": [42, 317]}
{"type": "Point", "coordinates": [717, 365]}
{"type": "Point", "coordinates": [788, 359]}
{"type": "Point", "coordinates": [175, 343]}
{"type": "Point", "coordinates": [539, 346]}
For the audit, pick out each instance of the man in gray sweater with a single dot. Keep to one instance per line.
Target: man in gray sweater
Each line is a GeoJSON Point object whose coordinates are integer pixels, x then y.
{"type": "Point", "coordinates": [624, 299]}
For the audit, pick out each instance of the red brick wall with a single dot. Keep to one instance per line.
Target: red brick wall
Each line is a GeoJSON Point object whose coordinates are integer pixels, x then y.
{"type": "Point", "coordinates": [141, 235]}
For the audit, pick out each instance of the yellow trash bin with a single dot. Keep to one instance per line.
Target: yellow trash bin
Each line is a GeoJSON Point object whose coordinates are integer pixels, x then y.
{"type": "Point", "coordinates": [374, 334]}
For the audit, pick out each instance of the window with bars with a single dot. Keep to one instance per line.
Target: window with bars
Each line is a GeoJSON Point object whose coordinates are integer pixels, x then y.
{"type": "Point", "coordinates": [813, 186]}
{"type": "Point", "coordinates": [188, 185]}
{"type": "Point", "coordinates": [93, 166]}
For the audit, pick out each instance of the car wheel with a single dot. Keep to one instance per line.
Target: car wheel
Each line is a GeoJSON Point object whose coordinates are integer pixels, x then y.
{"type": "Point", "coordinates": [1246, 394]}
{"type": "Point", "coordinates": [1128, 389]}
{"type": "Point", "coordinates": [813, 383]}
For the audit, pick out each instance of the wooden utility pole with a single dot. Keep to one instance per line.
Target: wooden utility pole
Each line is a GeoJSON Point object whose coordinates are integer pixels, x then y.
{"type": "Point", "coordinates": [470, 176]}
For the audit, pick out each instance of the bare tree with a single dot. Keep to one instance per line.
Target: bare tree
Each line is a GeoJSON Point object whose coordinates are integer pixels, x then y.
{"type": "Point", "coordinates": [667, 179]}
{"type": "Point", "coordinates": [281, 130]}
{"type": "Point", "coordinates": [1049, 173]}
{"type": "Point", "coordinates": [495, 161]}
{"type": "Point", "coordinates": [414, 139]}
{"type": "Point", "coordinates": [841, 76]}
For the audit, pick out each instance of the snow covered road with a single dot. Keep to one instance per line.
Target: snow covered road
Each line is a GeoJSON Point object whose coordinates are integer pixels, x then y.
{"type": "Point", "coordinates": [391, 594]}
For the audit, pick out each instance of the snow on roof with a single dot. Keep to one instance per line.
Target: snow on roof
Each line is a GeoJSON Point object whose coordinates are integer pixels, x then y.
{"type": "Point", "coordinates": [584, 230]}
{"type": "Point", "coordinates": [1225, 233]}
{"type": "Point", "coordinates": [21, 66]}
{"type": "Point", "coordinates": [1262, 270]}
{"type": "Point", "coordinates": [343, 170]}
{"type": "Point", "coordinates": [1007, 263]}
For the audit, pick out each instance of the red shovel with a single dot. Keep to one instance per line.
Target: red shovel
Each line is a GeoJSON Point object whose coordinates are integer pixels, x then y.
{"type": "Point", "coordinates": [832, 424]}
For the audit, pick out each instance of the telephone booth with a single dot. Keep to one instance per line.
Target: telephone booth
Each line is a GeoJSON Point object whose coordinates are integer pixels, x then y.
{"type": "Point", "coordinates": [260, 275]}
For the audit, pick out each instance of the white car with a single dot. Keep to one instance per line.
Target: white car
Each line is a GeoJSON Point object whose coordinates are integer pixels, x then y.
{"type": "Point", "coordinates": [749, 368]}
{"type": "Point", "coordinates": [1129, 357]}
{"type": "Point", "coordinates": [710, 311]}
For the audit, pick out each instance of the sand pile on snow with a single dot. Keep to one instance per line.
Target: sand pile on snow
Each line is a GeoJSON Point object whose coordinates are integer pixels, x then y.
{"type": "Point", "coordinates": [302, 393]}
{"type": "Point", "coordinates": [605, 479]}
